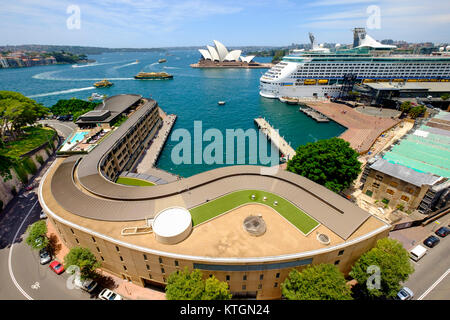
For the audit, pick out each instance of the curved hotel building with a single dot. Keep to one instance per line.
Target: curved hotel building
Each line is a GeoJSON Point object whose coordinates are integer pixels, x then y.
{"type": "Point", "coordinates": [238, 223]}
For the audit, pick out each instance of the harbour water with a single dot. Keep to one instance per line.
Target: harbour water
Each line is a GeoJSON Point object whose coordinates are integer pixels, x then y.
{"type": "Point", "coordinates": [192, 95]}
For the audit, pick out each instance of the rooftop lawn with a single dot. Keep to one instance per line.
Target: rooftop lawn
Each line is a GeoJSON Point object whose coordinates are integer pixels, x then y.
{"type": "Point", "coordinates": [134, 182]}
{"type": "Point", "coordinates": [33, 138]}
{"type": "Point", "coordinates": [294, 215]}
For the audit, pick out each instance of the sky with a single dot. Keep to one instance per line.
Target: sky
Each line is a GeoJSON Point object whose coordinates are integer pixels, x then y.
{"type": "Point", "coordinates": [171, 23]}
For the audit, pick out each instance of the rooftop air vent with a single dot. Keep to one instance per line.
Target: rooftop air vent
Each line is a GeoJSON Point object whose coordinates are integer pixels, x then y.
{"type": "Point", "coordinates": [255, 225]}
{"type": "Point", "coordinates": [323, 238]}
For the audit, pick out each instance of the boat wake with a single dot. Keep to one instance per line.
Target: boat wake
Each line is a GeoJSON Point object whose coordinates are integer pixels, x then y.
{"type": "Point", "coordinates": [150, 65]}
{"type": "Point", "coordinates": [126, 65]}
{"type": "Point", "coordinates": [171, 68]}
{"type": "Point", "coordinates": [61, 92]}
{"type": "Point", "coordinates": [50, 76]}
{"type": "Point", "coordinates": [94, 64]}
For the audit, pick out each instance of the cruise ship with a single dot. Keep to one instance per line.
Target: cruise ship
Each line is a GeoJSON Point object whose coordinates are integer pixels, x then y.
{"type": "Point", "coordinates": [319, 73]}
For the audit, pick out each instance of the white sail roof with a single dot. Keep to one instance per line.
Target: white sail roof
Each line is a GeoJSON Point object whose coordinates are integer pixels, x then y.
{"type": "Point", "coordinates": [221, 50]}
{"type": "Point", "coordinates": [233, 55]}
{"type": "Point", "coordinates": [370, 42]}
{"type": "Point", "coordinates": [213, 53]}
{"type": "Point", "coordinates": [205, 53]}
{"type": "Point", "coordinates": [247, 59]}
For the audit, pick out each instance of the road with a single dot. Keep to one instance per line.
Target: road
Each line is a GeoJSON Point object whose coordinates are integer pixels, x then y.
{"type": "Point", "coordinates": [21, 275]}
{"type": "Point", "coordinates": [429, 269]}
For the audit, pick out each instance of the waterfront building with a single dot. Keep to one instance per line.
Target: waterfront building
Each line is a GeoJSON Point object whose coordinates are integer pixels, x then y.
{"type": "Point", "coordinates": [237, 223]}
{"type": "Point", "coordinates": [322, 75]}
{"type": "Point", "coordinates": [414, 173]}
{"type": "Point", "coordinates": [220, 57]}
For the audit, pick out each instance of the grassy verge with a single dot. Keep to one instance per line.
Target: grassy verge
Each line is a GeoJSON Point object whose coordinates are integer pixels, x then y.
{"type": "Point", "coordinates": [294, 215]}
{"type": "Point", "coordinates": [134, 182]}
{"type": "Point", "coordinates": [33, 138]}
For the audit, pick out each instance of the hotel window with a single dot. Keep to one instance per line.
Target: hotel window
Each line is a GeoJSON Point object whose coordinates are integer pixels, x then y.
{"type": "Point", "coordinates": [410, 190]}
{"type": "Point", "coordinates": [72, 230]}
{"type": "Point", "coordinates": [93, 239]}
{"type": "Point", "coordinates": [176, 263]}
{"type": "Point", "coordinates": [259, 286]}
{"type": "Point", "coordinates": [261, 276]}
{"type": "Point", "coordinates": [393, 184]}
{"type": "Point", "coordinates": [389, 191]}
{"type": "Point", "coordinates": [160, 260]}
{"type": "Point", "coordinates": [145, 257]}
{"type": "Point", "coordinates": [103, 259]}
{"type": "Point", "coordinates": [121, 259]}
{"type": "Point", "coordinates": [228, 278]}
{"type": "Point", "coordinates": [244, 277]}
{"type": "Point", "coordinates": [98, 249]}
{"type": "Point", "coordinates": [337, 262]}
{"type": "Point", "coordinates": [164, 279]}
{"type": "Point", "coordinates": [163, 271]}
{"type": "Point", "coordinates": [148, 267]}
{"type": "Point", "coordinates": [244, 287]}
{"type": "Point", "coordinates": [275, 284]}
{"type": "Point", "coordinates": [376, 185]}
{"type": "Point", "coordinates": [341, 253]}
{"type": "Point", "coordinates": [77, 240]}
{"type": "Point", "coordinates": [125, 268]}
{"type": "Point", "coordinates": [379, 178]}
{"type": "Point", "coordinates": [369, 193]}
{"type": "Point", "coordinates": [117, 249]}
{"type": "Point", "coordinates": [277, 275]}
{"type": "Point", "coordinates": [405, 198]}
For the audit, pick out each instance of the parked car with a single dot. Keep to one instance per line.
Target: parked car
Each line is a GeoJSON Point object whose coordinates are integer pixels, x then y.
{"type": "Point", "coordinates": [417, 252]}
{"type": "Point", "coordinates": [405, 294]}
{"type": "Point", "coordinates": [57, 267]}
{"type": "Point", "coordinates": [44, 256]}
{"type": "Point", "coordinates": [107, 294]}
{"type": "Point", "coordinates": [431, 241]}
{"type": "Point", "coordinates": [86, 284]}
{"type": "Point", "coordinates": [442, 232]}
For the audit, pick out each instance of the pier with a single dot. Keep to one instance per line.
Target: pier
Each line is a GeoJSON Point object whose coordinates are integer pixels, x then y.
{"type": "Point", "coordinates": [275, 138]}
{"type": "Point", "coordinates": [151, 155]}
{"type": "Point", "coordinates": [314, 114]}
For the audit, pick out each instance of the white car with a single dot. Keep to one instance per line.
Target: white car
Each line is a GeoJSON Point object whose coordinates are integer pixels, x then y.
{"type": "Point", "coordinates": [405, 294]}
{"type": "Point", "coordinates": [86, 284]}
{"type": "Point", "coordinates": [107, 294]}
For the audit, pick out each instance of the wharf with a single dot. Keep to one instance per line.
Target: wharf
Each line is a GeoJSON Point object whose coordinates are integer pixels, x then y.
{"type": "Point", "coordinates": [314, 114]}
{"type": "Point", "coordinates": [275, 138]}
{"type": "Point", "coordinates": [362, 129]}
{"type": "Point", "coordinates": [151, 155]}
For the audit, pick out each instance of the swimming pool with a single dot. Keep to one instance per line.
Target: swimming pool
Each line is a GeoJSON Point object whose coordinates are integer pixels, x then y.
{"type": "Point", "coordinates": [78, 136]}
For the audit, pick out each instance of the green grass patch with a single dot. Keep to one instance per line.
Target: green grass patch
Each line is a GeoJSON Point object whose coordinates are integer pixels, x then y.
{"type": "Point", "coordinates": [216, 207]}
{"type": "Point", "coordinates": [134, 182]}
{"type": "Point", "coordinates": [31, 139]}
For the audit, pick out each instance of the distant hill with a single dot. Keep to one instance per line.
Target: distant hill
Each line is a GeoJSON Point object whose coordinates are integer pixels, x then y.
{"type": "Point", "coordinates": [74, 49]}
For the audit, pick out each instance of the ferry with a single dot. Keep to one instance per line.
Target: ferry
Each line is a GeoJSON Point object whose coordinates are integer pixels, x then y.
{"type": "Point", "coordinates": [320, 73]}
{"type": "Point", "coordinates": [153, 76]}
{"type": "Point", "coordinates": [103, 84]}
{"type": "Point", "coordinates": [162, 60]}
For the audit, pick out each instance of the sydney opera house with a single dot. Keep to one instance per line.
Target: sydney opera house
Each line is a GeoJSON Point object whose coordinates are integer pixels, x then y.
{"type": "Point", "coordinates": [220, 57]}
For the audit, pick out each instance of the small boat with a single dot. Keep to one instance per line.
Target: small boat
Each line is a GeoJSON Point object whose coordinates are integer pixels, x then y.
{"type": "Point", "coordinates": [96, 96]}
{"type": "Point", "coordinates": [153, 76]}
{"type": "Point", "coordinates": [162, 60]}
{"type": "Point", "coordinates": [221, 103]}
{"type": "Point", "coordinates": [103, 84]}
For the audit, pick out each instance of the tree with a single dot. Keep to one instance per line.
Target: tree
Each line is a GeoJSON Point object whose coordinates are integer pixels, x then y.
{"type": "Point", "coordinates": [17, 111]}
{"type": "Point", "coordinates": [185, 285]}
{"type": "Point", "coordinates": [405, 106]}
{"type": "Point", "coordinates": [84, 259]}
{"type": "Point", "coordinates": [75, 107]}
{"type": "Point", "coordinates": [37, 235]}
{"type": "Point", "coordinates": [216, 290]}
{"type": "Point", "coordinates": [394, 266]}
{"type": "Point", "coordinates": [417, 111]}
{"type": "Point", "coordinates": [331, 163]}
{"type": "Point", "coordinates": [317, 282]}
{"type": "Point", "coordinates": [445, 96]}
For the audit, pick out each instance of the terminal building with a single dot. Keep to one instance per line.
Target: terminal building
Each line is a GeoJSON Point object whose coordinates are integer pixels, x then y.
{"type": "Point", "coordinates": [238, 223]}
{"type": "Point", "coordinates": [414, 173]}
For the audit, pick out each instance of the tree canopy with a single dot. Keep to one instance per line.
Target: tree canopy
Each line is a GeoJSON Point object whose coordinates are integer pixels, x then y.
{"type": "Point", "coordinates": [185, 285]}
{"type": "Point", "coordinates": [331, 163]}
{"type": "Point", "coordinates": [75, 107]}
{"type": "Point", "coordinates": [37, 235]}
{"type": "Point", "coordinates": [84, 259]}
{"type": "Point", "coordinates": [17, 111]}
{"type": "Point", "coordinates": [417, 111]}
{"type": "Point", "coordinates": [394, 265]}
{"type": "Point", "coordinates": [317, 282]}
